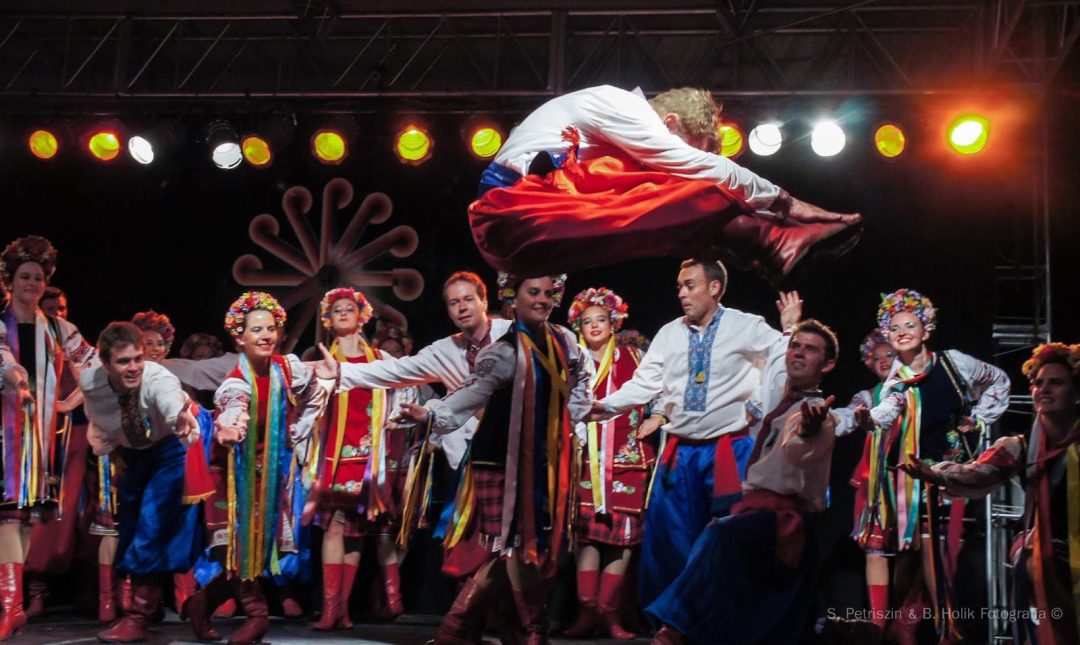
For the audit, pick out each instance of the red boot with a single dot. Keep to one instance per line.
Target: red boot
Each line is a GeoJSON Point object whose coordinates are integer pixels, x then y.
{"type": "Point", "coordinates": [254, 604]}
{"type": "Point", "coordinates": [11, 599]}
{"type": "Point", "coordinates": [588, 583]}
{"type": "Point", "coordinates": [348, 577]}
{"type": "Point", "coordinates": [134, 627]}
{"type": "Point", "coordinates": [532, 609]}
{"type": "Point", "coordinates": [106, 594]}
{"type": "Point", "coordinates": [331, 608]}
{"type": "Point", "coordinates": [183, 588]}
{"type": "Point", "coordinates": [198, 606]}
{"type": "Point", "coordinates": [36, 592]}
{"type": "Point", "coordinates": [392, 583]}
{"type": "Point", "coordinates": [125, 594]}
{"type": "Point", "coordinates": [610, 594]}
{"type": "Point", "coordinates": [461, 623]}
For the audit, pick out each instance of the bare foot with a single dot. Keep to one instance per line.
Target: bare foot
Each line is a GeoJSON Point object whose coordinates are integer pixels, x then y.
{"type": "Point", "coordinates": [807, 213]}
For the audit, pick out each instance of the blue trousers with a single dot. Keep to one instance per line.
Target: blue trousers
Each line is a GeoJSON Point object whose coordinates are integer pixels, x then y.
{"type": "Point", "coordinates": [735, 590]}
{"type": "Point", "coordinates": [158, 532]}
{"type": "Point", "coordinates": [680, 507]}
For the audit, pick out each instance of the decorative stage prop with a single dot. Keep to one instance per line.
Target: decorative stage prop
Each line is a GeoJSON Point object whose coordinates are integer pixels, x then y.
{"type": "Point", "coordinates": [321, 263]}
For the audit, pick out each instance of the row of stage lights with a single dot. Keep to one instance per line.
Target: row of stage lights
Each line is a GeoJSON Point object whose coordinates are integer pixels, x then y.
{"type": "Point", "coordinates": [967, 134]}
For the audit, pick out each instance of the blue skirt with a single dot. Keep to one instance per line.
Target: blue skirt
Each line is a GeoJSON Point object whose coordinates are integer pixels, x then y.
{"type": "Point", "coordinates": [158, 532]}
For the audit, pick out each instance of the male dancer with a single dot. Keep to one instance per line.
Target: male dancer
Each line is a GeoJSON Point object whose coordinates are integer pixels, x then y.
{"type": "Point", "coordinates": [704, 366]}
{"type": "Point", "coordinates": [751, 576]}
{"type": "Point", "coordinates": [139, 408]}
{"type": "Point", "coordinates": [601, 175]}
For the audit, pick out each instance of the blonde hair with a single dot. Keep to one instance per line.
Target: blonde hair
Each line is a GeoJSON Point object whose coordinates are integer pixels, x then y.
{"type": "Point", "coordinates": [696, 108]}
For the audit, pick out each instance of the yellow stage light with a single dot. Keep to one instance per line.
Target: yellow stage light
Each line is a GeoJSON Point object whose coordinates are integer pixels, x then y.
{"type": "Point", "coordinates": [890, 141]}
{"type": "Point", "coordinates": [968, 134]}
{"type": "Point", "coordinates": [43, 144]}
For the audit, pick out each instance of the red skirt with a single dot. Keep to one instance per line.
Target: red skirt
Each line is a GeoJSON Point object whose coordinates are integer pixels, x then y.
{"type": "Point", "coordinates": [489, 501]}
{"type": "Point", "coordinates": [596, 213]}
{"type": "Point", "coordinates": [616, 528]}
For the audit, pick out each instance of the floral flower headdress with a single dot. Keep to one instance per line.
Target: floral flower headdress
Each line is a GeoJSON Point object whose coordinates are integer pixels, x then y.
{"type": "Point", "coordinates": [248, 302]}
{"type": "Point", "coordinates": [509, 283]}
{"type": "Point", "coordinates": [32, 248]}
{"type": "Point", "coordinates": [345, 293]}
{"type": "Point", "coordinates": [910, 301]}
{"type": "Point", "coordinates": [153, 321]}
{"type": "Point", "coordinates": [1053, 352]}
{"type": "Point", "coordinates": [603, 297]}
{"type": "Point", "coordinates": [872, 341]}
{"type": "Point", "coordinates": [632, 338]}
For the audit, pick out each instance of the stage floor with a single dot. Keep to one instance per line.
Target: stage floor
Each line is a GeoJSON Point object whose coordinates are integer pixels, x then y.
{"type": "Point", "coordinates": [62, 627]}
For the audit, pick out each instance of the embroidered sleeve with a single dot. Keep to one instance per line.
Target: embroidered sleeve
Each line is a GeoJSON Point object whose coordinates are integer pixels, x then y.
{"type": "Point", "coordinates": [999, 462]}
{"type": "Point", "coordinates": [494, 369]}
{"type": "Point", "coordinates": [989, 386]}
{"type": "Point", "coordinates": [7, 360]}
{"type": "Point", "coordinates": [845, 423]}
{"type": "Point", "coordinates": [79, 353]}
{"type": "Point", "coordinates": [231, 402]}
{"type": "Point", "coordinates": [312, 395]}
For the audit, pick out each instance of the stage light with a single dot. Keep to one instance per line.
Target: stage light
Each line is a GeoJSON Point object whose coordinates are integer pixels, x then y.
{"type": "Point", "coordinates": [330, 144]}
{"type": "Point", "coordinates": [413, 143]}
{"type": "Point", "coordinates": [968, 134]}
{"type": "Point", "coordinates": [730, 140]}
{"type": "Point", "coordinates": [483, 136]}
{"type": "Point", "coordinates": [890, 140]}
{"type": "Point", "coordinates": [104, 144]}
{"type": "Point", "coordinates": [262, 146]}
{"type": "Point", "coordinates": [827, 138]}
{"type": "Point", "coordinates": [150, 145]}
{"type": "Point", "coordinates": [224, 145]}
{"type": "Point", "coordinates": [765, 139]}
{"type": "Point", "coordinates": [256, 150]}
{"type": "Point", "coordinates": [43, 144]}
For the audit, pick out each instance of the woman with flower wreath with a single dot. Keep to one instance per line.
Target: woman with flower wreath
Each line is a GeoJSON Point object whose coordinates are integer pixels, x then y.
{"type": "Point", "coordinates": [33, 350]}
{"type": "Point", "coordinates": [268, 403]}
{"type": "Point", "coordinates": [934, 405]}
{"type": "Point", "coordinates": [1045, 557]}
{"type": "Point", "coordinates": [532, 384]}
{"type": "Point", "coordinates": [358, 462]}
{"type": "Point", "coordinates": [613, 469]}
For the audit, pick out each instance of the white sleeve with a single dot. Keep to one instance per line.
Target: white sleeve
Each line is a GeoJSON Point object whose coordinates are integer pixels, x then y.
{"type": "Point", "coordinates": [7, 359]}
{"type": "Point", "coordinates": [494, 369]}
{"type": "Point", "coordinates": [79, 353]}
{"type": "Point", "coordinates": [647, 382]}
{"type": "Point", "coordinates": [845, 423]}
{"type": "Point", "coordinates": [392, 372]}
{"type": "Point", "coordinates": [168, 398]}
{"type": "Point", "coordinates": [989, 386]}
{"type": "Point", "coordinates": [231, 400]}
{"type": "Point", "coordinates": [312, 395]}
{"type": "Point", "coordinates": [206, 374]}
{"type": "Point", "coordinates": [634, 127]}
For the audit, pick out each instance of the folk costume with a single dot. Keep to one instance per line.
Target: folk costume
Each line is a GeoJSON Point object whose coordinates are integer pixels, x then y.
{"type": "Point", "coordinates": [32, 464]}
{"type": "Point", "coordinates": [1044, 555]}
{"type": "Point", "coordinates": [158, 524]}
{"type": "Point", "coordinates": [751, 575]}
{"type": "Point", "coordinates": [917, 418]}
{"type": "Point", "coordinates": [252, 514]}
{"type": "Point", "coordinates": [704, 375]}
{"type": "Point", "coordinates": [595, 177]}
{"type": "Point", "coordinates": [613, 469]}
{"type": "Point", "coordinates": [516, 482]}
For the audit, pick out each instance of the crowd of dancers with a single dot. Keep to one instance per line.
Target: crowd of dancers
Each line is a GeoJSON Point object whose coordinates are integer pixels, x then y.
{"type": "Point", "coordinates": [695, 465]}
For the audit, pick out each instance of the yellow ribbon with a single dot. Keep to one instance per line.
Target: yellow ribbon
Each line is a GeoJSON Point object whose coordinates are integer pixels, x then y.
{"type": "Point", "coordinates": [598, 490]}
{"type": "Point", "coordinates": [375, 429]}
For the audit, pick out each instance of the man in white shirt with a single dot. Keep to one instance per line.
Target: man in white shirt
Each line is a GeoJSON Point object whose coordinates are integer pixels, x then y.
{"type": "Point", "coordinates": [602, 175]}
{"type": "Point", "coordinates": [751, 576]}
{"type": "Point", "coordinates": [140, 409]}
{"type": "Point", "coordinates": [703, 368]}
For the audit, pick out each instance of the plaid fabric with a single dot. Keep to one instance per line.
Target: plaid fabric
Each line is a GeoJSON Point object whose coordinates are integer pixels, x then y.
{"type": "Point", "coordinates": [489, 500]}
{"type": "Point", "coordinates": [356, 524]}
{"type": "Point", "coordinates": [615, 528]}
